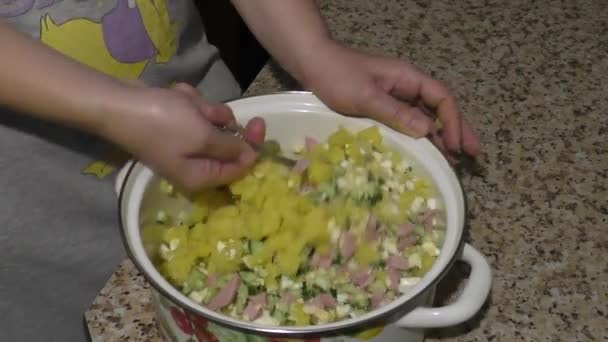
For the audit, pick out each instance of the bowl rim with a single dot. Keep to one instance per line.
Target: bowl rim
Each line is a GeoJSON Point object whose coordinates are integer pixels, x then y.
{"type": "Point", "coordinates": [344, 327]}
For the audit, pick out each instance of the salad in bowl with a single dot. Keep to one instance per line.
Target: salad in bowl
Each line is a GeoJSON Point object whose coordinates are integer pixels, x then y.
{"type": "Point", "coordinates": [350, 228]}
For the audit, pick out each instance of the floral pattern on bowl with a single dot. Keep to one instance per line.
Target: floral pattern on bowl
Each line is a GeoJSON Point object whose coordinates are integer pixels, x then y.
{"type": "Point", "coordinates": [177, 325]}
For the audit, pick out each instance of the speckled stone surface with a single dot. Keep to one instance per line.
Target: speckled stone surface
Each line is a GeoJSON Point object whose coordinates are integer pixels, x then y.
{"type": "Point", "coordinates": [123, 310]}
{"type": "Point", "coordinates": [532, 77]}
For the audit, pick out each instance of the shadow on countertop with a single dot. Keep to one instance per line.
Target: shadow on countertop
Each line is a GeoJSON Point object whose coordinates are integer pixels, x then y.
{"type": "Point", "coordinates": [448, 289]}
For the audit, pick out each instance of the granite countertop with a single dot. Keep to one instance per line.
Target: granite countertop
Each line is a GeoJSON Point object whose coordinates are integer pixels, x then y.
{"type": "Point", "coordinates": [532, 78]}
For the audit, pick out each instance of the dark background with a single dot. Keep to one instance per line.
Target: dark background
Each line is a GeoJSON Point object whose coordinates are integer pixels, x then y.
{"type": "Point", "coordinates": [238, 47]}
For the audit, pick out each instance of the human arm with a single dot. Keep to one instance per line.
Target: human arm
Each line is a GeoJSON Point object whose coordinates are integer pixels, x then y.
{"type": "Point", "coordinates": [354, 83]}
{"type": "Point", "coordinates": [41, 82]}
{"type": "Point", "coordinates": [171, 130]}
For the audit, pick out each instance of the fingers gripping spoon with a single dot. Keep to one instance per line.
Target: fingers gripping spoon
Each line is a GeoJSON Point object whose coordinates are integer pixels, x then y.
{"type": "Point", "coordinates": [238, 132]}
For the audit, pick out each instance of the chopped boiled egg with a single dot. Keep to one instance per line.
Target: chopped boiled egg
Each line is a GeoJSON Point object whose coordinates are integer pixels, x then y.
{"type": "Point", "coordinates": [417, 204]}
{"type": "Point", "coordinates": [409, 185]}
{"type": "Point", "coordinates": [390, 245]}
{"type": "Point", "coordinates": [414, 260]}
{"type": "Point", "coordinates": [298, 148]}
{"type": "Point", "coordinates": [286, 283]}
{"type": "Point", "coordinates": [161, 216]}
{"type": "Point", "coordinates": [343, 310]}
{"type": "Point", "coordinates": [342, 297]}
{"type": "Point", "coordinates": [173, 244]}
{"type": "Point", "coordinates": [199, 296]}
{"type": "Point", "coordinates": [430, 248]}
{"type": "Point", "coordinates": [266, 319]}
{"type": "Point", "coordinates": [406, 283]}
{"type": "Point", "coordinates": [220, 246]}
{"type": "Point", "coordinates": [165, 252]}
{"type": "Point", "coordinates": [431, 203]}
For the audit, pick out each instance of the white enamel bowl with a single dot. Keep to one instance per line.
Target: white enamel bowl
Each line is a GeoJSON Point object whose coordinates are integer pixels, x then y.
{"type": "Point", "coordinates": [290, 117]}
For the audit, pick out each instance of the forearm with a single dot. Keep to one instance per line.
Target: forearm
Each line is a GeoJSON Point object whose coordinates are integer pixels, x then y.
{"type": "Point", "coordinates": [40, 82]}
{"type": "Point", "coordinates": [292, 31]}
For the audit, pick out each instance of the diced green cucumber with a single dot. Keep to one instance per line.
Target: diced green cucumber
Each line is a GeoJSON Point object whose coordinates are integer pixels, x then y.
{"type": "Point", "coordinates": [438, 236]}
{"type": "Point", "coordinates": [411, 250]}
{"type": "Point", "coordinates": [212, 292]}
{"type": "Point", "coordinates": [196, 281]}
{"type": "Point", "coordinates": [419, 230]}
{"type": "Point", "coordinates": [350, 288]}
{"type": "Point", "coordinates": [272, 300]}
{"type": "Point", "coordinates": [279, 316]}
{"type": "Point", "coordinates": [428, 238]}
{"type": "Point", "coordinates": [323, 282]}
{"type": "Point", "coordinates": [361, 300]}
{"type": "Point", "coordinates": [427, 264]}
{"type": "Point", "coordinates": [307, 291]}
{"type": "Point", "coordinates": [254, 290]}
{"type": "Point", "coordinates": [241, 298]}
{"type": "Point", "coordinates": [250, 278]}
{"type": "Point", "coordinates": [377, 286]}
{"type": "Point", "coordinates": [282, 306]}
{"type": "Point", "coordinates": [255, 246]}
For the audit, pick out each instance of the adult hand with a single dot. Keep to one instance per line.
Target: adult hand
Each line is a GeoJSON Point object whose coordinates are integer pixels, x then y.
{"type": "Point", "coordinates": [390, 91]}
{"type": "Point", "coordinates": [174, 132]}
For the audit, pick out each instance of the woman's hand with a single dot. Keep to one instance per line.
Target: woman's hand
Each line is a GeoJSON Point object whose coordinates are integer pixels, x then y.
{"type": "Point", "coordinates": [171, 130]}
{"type": "Point", "coordinates": [392, 92]}
{"type": "Point", "coordinates": [353, 83]}
{"type": "Point", "coordinates": [174, 132]}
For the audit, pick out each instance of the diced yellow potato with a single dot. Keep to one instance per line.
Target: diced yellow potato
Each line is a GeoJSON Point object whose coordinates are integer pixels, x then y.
{"type": "Point", "coordinates": [355, 153]}
{"type": "Point", "coordinates": [200, 248]}
{"type": "Point", "coordinates": [198, 232]}
{"type": "Point", "coordinates": [367, 253]}
{"type": "Point", "coordinates": [381, 276]}
{"type": "Point", "coordinates": [199, 213]}
{"type": "Point", "coordinates": [227, 211]}
{"type": "Point", "coordinates": [389, 212]}
{"type": "Point", "coordinates": [178, 268]}
{"type": "Point", "coordinates": [294, 181]}
{"type": "Point", "coordinates": [266, 206]}
{"type": "Point", "coordinates": [335, 155]}
{"type": "Point", "coordinates": [153, 233]}
{"type": "Point", "coordinates": [422, 187]}
{"type": "Point", "coordinates": [222, 262]}
{"type": "Point", "coordinates": [152, 238]}
{"type": "Point", "coordinates": [212, 199]}
{"type": "Point", "coordinates": [304, 205]}
{"type": "Point", "coordinates": [270, 222]}
{"type": "Point", "coordinates": [396, 158]}
{"type": "Point", "coordinates": [179, 233]}
{"type": "Point", "coordinates": [288, 262]}
{"type": "Point", "coordinates": [247, 190]}
{"type": "Point", "coordinates": [299, 316]}
{"type": "Point", "coordinates": [341, 137]}
{"type": "Point", "coordinates": [319, 171]}
{"type": "Point", "coordinates": [272, 273]}
{"type": "Point", "coordinates": [427, 263]}
{"type": "Point", "coordinates": [314, 226]}
{"type": "Point", "coordinates": [406, 199]}
{"type": "Point", "coordinates": [371, 135]}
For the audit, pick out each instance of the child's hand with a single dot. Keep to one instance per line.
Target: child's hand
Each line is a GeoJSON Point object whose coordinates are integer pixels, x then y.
{"type": "Point", "coordinates": [392, 92]}
{"type": "Point", "coordinates": [173, 131]}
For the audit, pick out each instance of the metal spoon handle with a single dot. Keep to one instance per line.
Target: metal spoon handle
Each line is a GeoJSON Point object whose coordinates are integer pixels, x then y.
{"type": "Point", "coordinates": [239, 132]}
